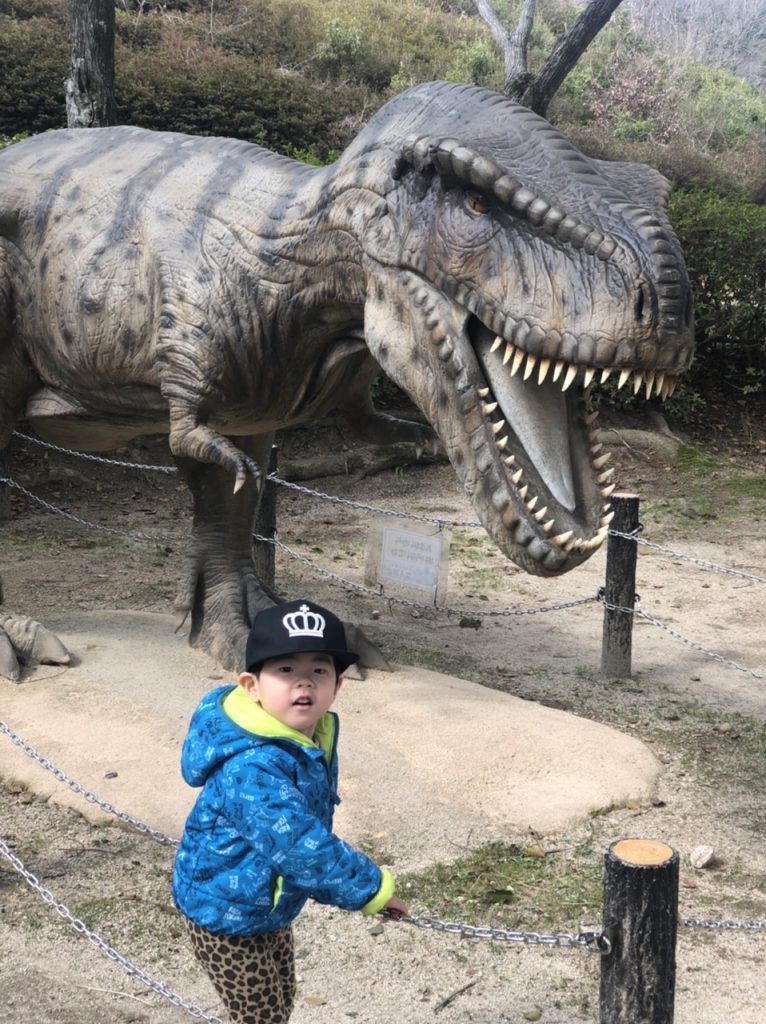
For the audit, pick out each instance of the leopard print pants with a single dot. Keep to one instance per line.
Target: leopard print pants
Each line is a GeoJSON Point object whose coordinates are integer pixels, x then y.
{"type": "Point", "coordinates": [253, 974]}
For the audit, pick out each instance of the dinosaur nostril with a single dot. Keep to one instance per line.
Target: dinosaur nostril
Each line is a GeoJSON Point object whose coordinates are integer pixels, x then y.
{"type": "Point", "coordinates": [638, 309]}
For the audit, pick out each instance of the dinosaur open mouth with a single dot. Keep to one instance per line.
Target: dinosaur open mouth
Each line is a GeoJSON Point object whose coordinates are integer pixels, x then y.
{"type": "Point", "coordinates": [539, 416]}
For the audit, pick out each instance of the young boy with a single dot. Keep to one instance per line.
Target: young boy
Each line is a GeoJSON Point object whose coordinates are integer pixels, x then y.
{"type": "Point", "coordinates": [258, 841]}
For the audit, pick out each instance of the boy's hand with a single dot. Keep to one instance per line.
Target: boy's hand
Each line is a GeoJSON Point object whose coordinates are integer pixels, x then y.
{"type": "Point", "coordinates": [395, 908]}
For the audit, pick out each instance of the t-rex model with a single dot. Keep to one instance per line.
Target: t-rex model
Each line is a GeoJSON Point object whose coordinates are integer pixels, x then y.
{"type": "Point", "coordinates": [211, 289]}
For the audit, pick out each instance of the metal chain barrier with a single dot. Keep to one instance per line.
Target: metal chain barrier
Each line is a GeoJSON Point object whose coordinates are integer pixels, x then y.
{"type": "Point", "coordinates": [465, 612]}
{"type": "Point", "coordinates": [93, 458]}
{"type": "Point", "coordinates": [79, 926]}
{"type": "Point", "coordinates": [750, 926]}
{"type": "Point", "coordinates": [360, 506]}
{"type": "Point", "coordinates": [635, 536]}
{"type": "Point", "coordinates": [678, 636]}
{"type": "Point", "coordinates": [595, 941]}
{"type": "Point", "coordinates": [154, 538]}
{"type": "Point", "coordinates": [92, 798]}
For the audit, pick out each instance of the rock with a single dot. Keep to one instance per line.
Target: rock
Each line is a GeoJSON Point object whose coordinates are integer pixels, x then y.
{"type": "Point", "coordinates": [702, 857]}
{"type": "Point", "coordinates": [533, 1013]}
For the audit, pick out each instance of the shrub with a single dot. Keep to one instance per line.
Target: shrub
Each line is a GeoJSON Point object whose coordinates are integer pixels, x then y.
{"type": "Point", "coordinates": [724, 241]}
{"type": "Point", "coordinates": [34, 56]}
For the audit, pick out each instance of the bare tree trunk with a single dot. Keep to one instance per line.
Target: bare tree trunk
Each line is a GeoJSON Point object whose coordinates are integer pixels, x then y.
{"type": "Point", "coordinates": [90, 86]}
{"type": "Point", "coordinates": [537, 91]}
{"type": "Point", "coordinates": [566, 53]}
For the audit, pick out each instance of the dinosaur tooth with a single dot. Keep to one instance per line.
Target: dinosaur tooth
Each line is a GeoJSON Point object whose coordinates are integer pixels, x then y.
{"type": "Point", "coordinates": [590, 418]}
{"type": "Point", "coordinates": [496, 343]}
{"type": "Point", "coordinates": [638, 380]}
{"type": "Point", "coordinates": [570, 376]}
{"type": "Point", "coordinates": [547, 527]}
{"type": "Point", "coordinates": [624, 374]}
{"type": "Point", "coordinates": [562, 538]}
{"type": "Point", "coordinates": [596, 447]}
{"type": "Point", "coordinates": [588, 376]}
{"type": "Point", "coordinates": [659, 382]}
{"type": "Point", "coordinates": [531, 362]}
{"type": "Point", "coordinates": [483, 392]}
{"type": "Point", "coordinates": [606, 520]}
{"type": "Point", "coordinates": [500, 445]}
{"type": "Point", "coordinates": [606, 476]}
{"type": "Point", "coordinates": [606, 491]}
{"type": "Point", "coordinates": [601, 461]}
{"type": "Point", "coordinates": [649, 384]}
{"type": "Point", "coordinates": [540, 515]}
{"type": "Point", "coordinates": [606, 373]}
{"type": "Point", "coordinates": [542, 370]}
{"type": "Point", "coordinates": [532, 504]}
{"type": "Point", "coordinates": [523, 491]}
{"type": "Point", "coordinates": [673, 382]}
{"type": "Point", "coordinates": [509, 351]}
{"type": "Point", "coordinates": [517, 361]}
{"type": "Point", "coordinates": [488, 408]}
{"type": "Point", "coordinates": [498, 426]}
{"type": "Point", "coordinates": [517, 476]}
{"type": "Point", "coordinates": [557, 370]}
{"type": "Point", "coordinates": [594, 435]}
{"type": "Point", "coordinates": [509, 460]}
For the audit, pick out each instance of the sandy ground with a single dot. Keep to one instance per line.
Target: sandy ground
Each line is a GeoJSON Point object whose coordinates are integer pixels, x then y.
{"type": "Point", "coordinates": [504, 731]}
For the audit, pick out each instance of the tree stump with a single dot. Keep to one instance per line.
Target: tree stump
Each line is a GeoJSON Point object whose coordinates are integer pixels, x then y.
{"type": "Point", "coordinates": [641, 920]}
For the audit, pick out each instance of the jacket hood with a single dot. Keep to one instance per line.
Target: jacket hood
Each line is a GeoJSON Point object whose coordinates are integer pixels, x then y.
{"type": "Point", "coordinates": [226, 723]}
{"type": "Point", "coordinates": [212, 738]}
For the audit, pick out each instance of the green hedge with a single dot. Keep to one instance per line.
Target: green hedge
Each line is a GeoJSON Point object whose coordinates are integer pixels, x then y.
{"type": "Point", "coordinates": [724, 241]}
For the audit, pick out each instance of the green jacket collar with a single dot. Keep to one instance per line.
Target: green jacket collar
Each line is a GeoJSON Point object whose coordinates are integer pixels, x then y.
{"type": "Point", "coordinates": [252, 718]}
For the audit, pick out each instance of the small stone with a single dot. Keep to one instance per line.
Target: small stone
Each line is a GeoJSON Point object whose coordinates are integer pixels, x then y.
{"type": "Point", "coordinates": [375, 614]}
{"type": "Point", "coordinates": [695, 679]}
{"type": "Point", "coordinates": [110, 775]}
{"type": "Point", "coordinates": [702, 857]}
{"type": "Point", "coordinates": [723, 727]}
{"type": "Point", "coordinates": [377, 929]}
{"type": "Point", "coordinates": [533, 1013]}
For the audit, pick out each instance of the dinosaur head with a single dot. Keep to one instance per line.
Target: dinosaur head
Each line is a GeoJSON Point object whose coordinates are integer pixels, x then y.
{"type": "Point", "coordinates": [507, 275]}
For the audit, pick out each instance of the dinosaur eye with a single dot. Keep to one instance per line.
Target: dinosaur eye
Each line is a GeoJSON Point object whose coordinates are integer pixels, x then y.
{"type": "Point", "coordinates": [477, 203]}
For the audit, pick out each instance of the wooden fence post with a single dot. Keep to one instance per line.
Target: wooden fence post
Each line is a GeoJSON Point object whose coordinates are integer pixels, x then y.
{"type": "Point", "coordinates": [620, 588]}
{"type": "Point", "coordinates": [638, 977]}
{"type": "Point", "coordinates": [264, 554]}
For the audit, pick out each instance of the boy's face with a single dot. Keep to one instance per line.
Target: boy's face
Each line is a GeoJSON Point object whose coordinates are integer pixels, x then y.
{"type": "Point", "coordinates": [297, 689]}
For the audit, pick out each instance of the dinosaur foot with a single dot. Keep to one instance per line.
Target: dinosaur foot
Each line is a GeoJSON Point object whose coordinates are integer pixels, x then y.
{"type": "Point", "coordinates": [25, 642]}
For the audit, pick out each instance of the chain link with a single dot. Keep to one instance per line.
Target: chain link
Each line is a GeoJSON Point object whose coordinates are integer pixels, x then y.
{"type": "Point", "coordinates": [750, 926]}
{"type": "Point", "coordinates": [360, 506]}
{"type": "Point", "coordinates": [154, 538]}
{"type": "Point", "coordinates": [634, 535]}
{"type": "Point", "coordinates": [92, 798]}
{"type": "Point", "coordinates": [594, 941]}
{"type": "Point", "coordinates": [79, 926]}
{"type": "Point", "coordinates": [464, 612]}
{"type": "Point", "coordinates": [679, 636]}
{"type": "Point", "coordinates": [94, 458]}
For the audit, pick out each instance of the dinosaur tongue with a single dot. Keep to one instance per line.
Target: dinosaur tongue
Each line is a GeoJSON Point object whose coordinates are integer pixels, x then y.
{"type": "Point", "coordinates": [537, 414]}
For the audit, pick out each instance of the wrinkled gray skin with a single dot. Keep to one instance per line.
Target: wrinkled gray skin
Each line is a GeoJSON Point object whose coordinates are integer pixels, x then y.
{"type": "Point", "coordinates": [208, 288]}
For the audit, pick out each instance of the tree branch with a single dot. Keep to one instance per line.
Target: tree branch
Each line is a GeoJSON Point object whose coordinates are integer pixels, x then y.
{"type": "Point", "coordinates": [566, 53]}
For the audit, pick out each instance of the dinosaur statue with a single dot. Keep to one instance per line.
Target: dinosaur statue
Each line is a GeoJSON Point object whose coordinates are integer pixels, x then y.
{"type": "Point", "coordinates": [153, 282]}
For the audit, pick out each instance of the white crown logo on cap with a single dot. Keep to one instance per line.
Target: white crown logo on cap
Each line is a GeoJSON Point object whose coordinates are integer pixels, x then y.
{"type": "Point", "coordinates": [304, 622]}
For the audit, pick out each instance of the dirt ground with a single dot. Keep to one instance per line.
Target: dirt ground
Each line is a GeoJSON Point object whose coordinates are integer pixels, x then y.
{"type": "Point", "coordinates": [703, 720]}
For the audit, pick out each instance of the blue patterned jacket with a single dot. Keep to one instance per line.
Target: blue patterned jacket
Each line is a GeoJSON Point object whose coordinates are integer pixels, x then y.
{"type": "Point", "coordinates": [258, 841]}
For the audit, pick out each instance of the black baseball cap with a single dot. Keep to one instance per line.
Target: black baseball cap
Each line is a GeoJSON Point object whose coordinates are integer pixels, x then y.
{"type": "Point", "coordinates": [295, 627]}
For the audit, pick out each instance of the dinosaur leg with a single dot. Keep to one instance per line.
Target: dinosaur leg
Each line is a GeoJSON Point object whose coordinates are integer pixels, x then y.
{"type": "Point", "coordinates": [369, 424]}
{"type": "Point", "coordinates": [22, 640]}
{"type": "Point", "coordinates": [220, 588]}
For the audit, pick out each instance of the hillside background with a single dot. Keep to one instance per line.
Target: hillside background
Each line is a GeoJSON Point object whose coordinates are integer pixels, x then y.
{"type": "Point", "coordinates": [679, 85]}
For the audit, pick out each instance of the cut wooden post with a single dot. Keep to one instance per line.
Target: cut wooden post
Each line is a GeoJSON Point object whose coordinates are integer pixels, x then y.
{"type": "Point", "coordinates": [640, 919]}
{"type": "Point", "coordinates": [264, 554]}
{"type": "Point", "coordinates": [620, 588]}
